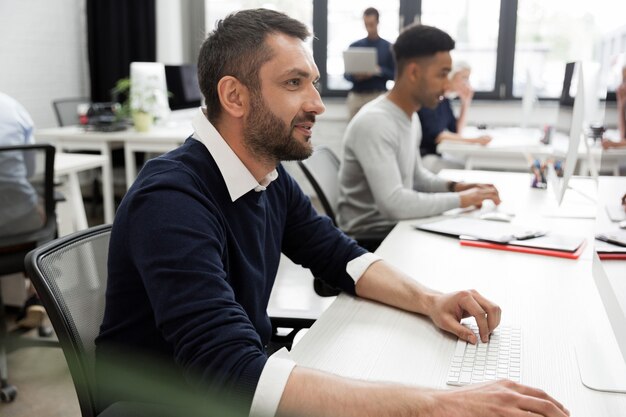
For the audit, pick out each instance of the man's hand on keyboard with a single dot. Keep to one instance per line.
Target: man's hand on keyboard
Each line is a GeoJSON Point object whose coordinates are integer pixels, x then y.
{"type": "Point", "coordinates": [448, 310]}
{"type": "Point", "coordinates": [499, 398]}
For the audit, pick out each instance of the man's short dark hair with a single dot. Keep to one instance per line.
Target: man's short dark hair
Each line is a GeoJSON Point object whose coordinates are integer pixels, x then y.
{"type": "Point", "coordinates": [420, 41]}
{"type": "Point", "coordinates": [237, 48]}
{"type": "Point", "coordinates": [370, 11]}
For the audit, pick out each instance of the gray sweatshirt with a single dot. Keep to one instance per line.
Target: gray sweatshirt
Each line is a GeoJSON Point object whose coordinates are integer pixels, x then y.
{"type": "Point", "coordinates": [381, 178]}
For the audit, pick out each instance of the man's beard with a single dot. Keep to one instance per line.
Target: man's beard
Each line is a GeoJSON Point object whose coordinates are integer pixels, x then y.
{"type": "Point", "coordinates": [269, 138]}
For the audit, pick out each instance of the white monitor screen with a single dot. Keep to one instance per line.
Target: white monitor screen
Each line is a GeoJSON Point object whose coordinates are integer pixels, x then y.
{"type": "Point", "coordinates": [148, 89]}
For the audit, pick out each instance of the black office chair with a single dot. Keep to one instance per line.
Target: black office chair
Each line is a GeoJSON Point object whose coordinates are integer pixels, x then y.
{"type": "Point", "coordinates": [70, 276]}
{"type": "Point", "coordinates": [66, 112]}
{"type": "Point", "coordinates": [14, 247]}
{"type": "Point", "coordinates": [322, 171]}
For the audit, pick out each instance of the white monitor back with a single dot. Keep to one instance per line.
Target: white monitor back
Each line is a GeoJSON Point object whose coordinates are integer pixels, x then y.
{"type": "Point", "coordinates": [601, 349]}
{"type": "Point", "coordinates": [560, 185]}
{"type": "Point", "coordinates": [594, 92]}
{"type": "Point", "coordinates": [148, 89]}
{"type": "Point", "coordinates": [528, 99]}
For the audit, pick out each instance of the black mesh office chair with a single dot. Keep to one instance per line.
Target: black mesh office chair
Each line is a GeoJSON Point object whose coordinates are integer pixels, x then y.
{"type": "Point", "coordinates": [66, 110]}
{"type": "Point", "coordinates": [322, 171]}
{"type": "Point", "coordinates": [15, 246]}
{"type": "Point", "coordinates": [70, 276]}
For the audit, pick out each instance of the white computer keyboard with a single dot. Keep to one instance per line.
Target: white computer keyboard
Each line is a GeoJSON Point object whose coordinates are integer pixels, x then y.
{"type": "Point", "coordinates": [500, 358]}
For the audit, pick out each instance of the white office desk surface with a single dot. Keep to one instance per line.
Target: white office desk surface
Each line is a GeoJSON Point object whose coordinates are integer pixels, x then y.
{"type": "Point", "coordinates": [75, 138]}
{"type": "Point", "coordinates": [293, 295]}
{"type": "Point", "coordinates": [510, 147]}
{"type": "Point", "coordinates": [160, 138]}
{"type": "Point", "coordinates": [69, 165]}
{"type": "Point", "coordinates": [545, 296]}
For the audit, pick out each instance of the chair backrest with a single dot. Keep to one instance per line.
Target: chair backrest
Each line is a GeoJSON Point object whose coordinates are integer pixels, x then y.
{"type": "Point", "coordinates": [322, 171]}
{"type": "Point", "coordinates": [66, 110]}
{"type": "Point", "coordinates": [26, 189]}
{"type": "Point", "coordinates": [70, 277]}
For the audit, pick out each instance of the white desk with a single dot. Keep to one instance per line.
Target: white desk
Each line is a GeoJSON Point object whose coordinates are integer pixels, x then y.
{"type": "Point", "coordinates": [545, 296]}
{"type": "Point", "coordinates": [293, 295]}
{"type": "Point", "coordinates": [158, 139]}
{"type": "Point", "coordinates": [510, 147]}
{"type": "Point", "coordinates": [67, 166]}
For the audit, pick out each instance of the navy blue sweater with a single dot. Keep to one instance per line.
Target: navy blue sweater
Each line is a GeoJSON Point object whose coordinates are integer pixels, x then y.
{"type": "Point", "coordinates": [385, 62]}
{"type": "Point", "coordinates": [434, 121]}
{"type": "Point", "coordinates": [190, 271]}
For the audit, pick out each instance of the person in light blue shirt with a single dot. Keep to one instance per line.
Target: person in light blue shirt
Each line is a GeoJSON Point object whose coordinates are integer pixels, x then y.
{"type": "Point", "coordinates": [19, 208]}
{"type": "Point", "coordinates": [366, 87]}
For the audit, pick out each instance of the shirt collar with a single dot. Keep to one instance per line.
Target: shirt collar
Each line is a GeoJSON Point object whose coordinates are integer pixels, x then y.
{"type": "Point", "coordinates": [237, 177]}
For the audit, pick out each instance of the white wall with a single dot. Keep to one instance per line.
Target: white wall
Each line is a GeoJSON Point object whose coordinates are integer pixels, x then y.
{"type": "Point", "coordinates": [180, 30]}
{"type": "Point", "coordinates": [169, 27]}
{"type": "Point", "coordinates": [43, 54]}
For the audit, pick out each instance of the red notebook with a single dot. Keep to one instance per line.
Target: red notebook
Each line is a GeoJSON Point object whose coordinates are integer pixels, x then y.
{"type": "Point", "coordinates": [525, 249]}
{"type": "Point", "coordinates": [609, 251]}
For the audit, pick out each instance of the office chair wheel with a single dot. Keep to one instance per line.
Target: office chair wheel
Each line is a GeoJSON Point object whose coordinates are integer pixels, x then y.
{"type": "Point", "coordinates": [8, 393]}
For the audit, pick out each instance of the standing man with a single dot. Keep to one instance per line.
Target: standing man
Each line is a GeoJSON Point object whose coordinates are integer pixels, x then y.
{"type": "Point", "coordinates": [197, 240]}
{"type": "Point", "coordinates": [366, 86]}
{"type": "Point", "coordinates": [381, 179]}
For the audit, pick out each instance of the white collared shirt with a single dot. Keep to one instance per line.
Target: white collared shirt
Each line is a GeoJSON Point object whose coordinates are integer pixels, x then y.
{"type": "Point", "coordinates": [239, 181]}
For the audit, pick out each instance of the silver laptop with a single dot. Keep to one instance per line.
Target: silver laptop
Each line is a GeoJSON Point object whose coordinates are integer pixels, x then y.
{"type": "Point", "coordinates": [360, 60]}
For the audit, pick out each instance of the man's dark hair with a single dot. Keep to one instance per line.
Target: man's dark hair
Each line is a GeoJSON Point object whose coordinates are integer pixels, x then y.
{"type": "Point", "coordinates": [370, 11]}
{"type": "Point", "coordinates": [420, 41]}
{"type": "Point", "coordinates": [237, 48]}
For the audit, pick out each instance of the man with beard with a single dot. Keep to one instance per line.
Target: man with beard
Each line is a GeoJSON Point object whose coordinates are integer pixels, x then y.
{"type": "Point", "coordinates": [381, 179]}
{"type": "Point", "coordinates": [197, 240]}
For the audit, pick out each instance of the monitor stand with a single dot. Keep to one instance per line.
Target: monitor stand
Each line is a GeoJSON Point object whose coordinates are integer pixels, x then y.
{"type": "Point", "coordinates": [601, 365]}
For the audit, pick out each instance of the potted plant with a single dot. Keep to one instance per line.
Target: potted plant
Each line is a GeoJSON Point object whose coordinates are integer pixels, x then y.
{"type": "Point", "coordinates": [142, 102]}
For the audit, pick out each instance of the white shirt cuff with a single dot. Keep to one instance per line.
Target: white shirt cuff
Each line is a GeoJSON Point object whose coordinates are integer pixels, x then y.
{"type": "Point", "coordinates": [271, 384]}
{"type": "Point", "coordinates": [357, 267]}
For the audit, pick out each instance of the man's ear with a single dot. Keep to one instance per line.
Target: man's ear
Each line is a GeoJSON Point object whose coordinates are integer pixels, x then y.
{"type": "Point", "coordinates": [233, 96]}
{"type": "Point", "coordinates": [414, 70]}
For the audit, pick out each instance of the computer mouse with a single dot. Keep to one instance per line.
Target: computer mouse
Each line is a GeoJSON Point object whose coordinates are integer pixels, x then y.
{"type": "Point", "coordinates": [496, 216]}
{"type": "Point", "coordinates": [622, 224]}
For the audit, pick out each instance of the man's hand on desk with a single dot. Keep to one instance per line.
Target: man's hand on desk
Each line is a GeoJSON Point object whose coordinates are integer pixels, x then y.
{"type": "Point", "coordinates": [313, 393]}
{"type": "Point", "coordinates": [448, 310]}
{"type": "Point", "coordinates": [475, 194]}
{"type": "Point", "coordinates": [498, 398]}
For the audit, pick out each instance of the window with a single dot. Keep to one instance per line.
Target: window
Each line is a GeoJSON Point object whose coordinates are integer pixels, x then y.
{"type": "Point", "coordinates": [551, 33]}
{"type": "Point", "coordinates": [504, 41]}
{"type": "Point", "coordinates": [345, 25]}
{"type": "Point", "coordinates": [474, 26]}
{"type": "Point", "coordinates": [219, 9]}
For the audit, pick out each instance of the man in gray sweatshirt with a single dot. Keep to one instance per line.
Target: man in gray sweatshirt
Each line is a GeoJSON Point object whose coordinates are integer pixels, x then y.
{"type": "Point", "coordinates": [381, 179]}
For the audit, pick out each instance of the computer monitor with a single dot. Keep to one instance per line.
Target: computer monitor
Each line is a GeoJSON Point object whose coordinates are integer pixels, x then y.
{"type": "Point", "coordinates": [528, 99]}
{"type": "Point", "coordinates": [601, 349]}
{"type": "Point", "coordinates": [182, 83]}
{"type": "Point", "coordinates": [570, 122]}
{"type": "Point", "coordinates": [148, 89]}
{"type": "Point", "coordinates": [613, 75]}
